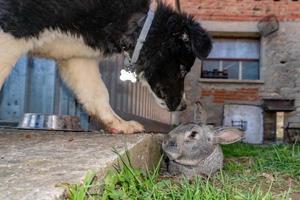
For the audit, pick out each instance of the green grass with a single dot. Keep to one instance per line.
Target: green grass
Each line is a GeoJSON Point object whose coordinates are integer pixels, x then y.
{"type": "Point", "coordinates": [250, 172]}
{"type": "Point", "coordinates": [79, 191]}
{"type": "Point", "coordinates": [281, 159]}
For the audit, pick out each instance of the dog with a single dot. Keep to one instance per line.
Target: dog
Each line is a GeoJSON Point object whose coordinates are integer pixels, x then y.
{"type": "Point", "coordinates": [79, 33]}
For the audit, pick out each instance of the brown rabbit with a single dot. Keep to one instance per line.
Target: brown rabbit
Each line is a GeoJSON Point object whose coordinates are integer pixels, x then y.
{"type": "Point", "coordinates": [194, 149]}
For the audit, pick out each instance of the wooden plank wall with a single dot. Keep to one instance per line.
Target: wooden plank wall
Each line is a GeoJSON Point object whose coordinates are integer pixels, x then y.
{"type": "Point", "coordinates": [35, 86]}
{"type": "Point", "coordinates": [130, 98]}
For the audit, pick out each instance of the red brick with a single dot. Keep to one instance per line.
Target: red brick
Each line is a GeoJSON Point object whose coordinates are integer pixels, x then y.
{"type": "Point", "coordinates": [241, 10]}
{"type": "Point", "coordinates": [218, 101]}
{"type": "Point", "coordinates": [206, 93]}
{"type": "Point", "coordinates": [242, 94]}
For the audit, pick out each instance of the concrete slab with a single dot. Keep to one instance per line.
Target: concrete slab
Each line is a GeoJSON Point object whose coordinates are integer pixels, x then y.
{"type": "Point", "coordinates": [32, 163]}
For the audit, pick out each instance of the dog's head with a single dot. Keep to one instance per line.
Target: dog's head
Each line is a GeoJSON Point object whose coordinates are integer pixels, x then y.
{"type": "Point", "coordinates": [174, 41]}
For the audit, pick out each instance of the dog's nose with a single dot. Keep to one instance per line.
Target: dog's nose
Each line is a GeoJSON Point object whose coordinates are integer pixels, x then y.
{"type": "Point", "coordinates": [181, 107]}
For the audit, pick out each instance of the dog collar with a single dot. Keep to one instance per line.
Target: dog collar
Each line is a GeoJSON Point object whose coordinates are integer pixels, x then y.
{"type": "Point", "coordinates": [128, 73]}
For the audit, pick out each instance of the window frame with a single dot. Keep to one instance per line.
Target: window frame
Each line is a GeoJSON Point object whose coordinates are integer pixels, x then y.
{"type": "Point", "coordinates": [240, 60]}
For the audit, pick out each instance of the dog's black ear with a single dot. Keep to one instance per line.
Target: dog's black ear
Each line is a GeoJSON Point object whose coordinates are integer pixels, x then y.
{"type": "Point", "coordinates": [201, 41]}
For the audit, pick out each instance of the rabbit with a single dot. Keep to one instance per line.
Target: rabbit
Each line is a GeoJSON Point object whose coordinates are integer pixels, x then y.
{"type": "Point", "coordinates": [194, 150]}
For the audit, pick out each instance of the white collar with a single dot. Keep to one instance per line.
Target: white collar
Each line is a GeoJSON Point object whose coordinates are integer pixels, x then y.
{"type": "Point", "coordinates": [128, 73]}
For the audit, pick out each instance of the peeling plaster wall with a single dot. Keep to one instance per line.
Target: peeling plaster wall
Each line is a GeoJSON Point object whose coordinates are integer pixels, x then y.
{"type": "Point", "coordinates": [281, 65]}
{"type": "Point", "coordinates": [280, 73]}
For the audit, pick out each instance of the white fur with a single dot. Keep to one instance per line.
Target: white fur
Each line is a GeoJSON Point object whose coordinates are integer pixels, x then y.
{"type": "Point", "coordinates": [57, 45]}
{"type": "Point", "coordinates": [10, 51]}
{"type": "Point", "coordinates": [83, 77]}
{"type": "Point", "coordinates": [78, 67]}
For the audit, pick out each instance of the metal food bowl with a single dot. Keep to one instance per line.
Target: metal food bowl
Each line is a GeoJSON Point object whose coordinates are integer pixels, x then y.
{"type": "Point", "coordinates": [50, 122]}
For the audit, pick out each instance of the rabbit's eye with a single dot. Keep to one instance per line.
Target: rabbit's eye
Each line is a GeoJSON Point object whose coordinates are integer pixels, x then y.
{"type": "Point", "coordinates": [193, 134]}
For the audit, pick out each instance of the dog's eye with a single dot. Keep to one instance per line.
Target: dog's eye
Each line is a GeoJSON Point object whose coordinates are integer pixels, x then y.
{"type": "Point", "coordinates": [176, 34]}
{"type": "Point", "coordinates": [185, 37]}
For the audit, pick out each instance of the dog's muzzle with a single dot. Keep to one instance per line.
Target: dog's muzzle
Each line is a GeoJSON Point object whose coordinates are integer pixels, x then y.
{"type": "Point", "coordinates": [182, 106]}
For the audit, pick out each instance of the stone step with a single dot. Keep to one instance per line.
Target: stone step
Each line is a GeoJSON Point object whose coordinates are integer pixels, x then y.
{"type": "Point", "coordinates": [33, 162]}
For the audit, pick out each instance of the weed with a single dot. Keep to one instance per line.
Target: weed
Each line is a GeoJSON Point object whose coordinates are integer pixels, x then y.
{"type": "Point", "coordinates": [250, 173]}
{"type": "Point", "coordinates": [79, 191]}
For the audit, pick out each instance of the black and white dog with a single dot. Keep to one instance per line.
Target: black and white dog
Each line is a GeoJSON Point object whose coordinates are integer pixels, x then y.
{"type": "Point", "coordinates": [79, 33]}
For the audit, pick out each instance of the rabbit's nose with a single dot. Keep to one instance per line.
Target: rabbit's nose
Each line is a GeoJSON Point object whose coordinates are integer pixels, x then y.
{"type": "Point", "coordinates": [173, 143]}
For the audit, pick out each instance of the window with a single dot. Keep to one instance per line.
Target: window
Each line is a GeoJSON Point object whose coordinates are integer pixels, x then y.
{"type": "Point", "coordinates": [233, 59]}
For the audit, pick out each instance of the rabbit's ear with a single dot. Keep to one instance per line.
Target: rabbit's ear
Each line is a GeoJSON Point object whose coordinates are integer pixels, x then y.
{"type": "Point", "coordinates": [227, 135]}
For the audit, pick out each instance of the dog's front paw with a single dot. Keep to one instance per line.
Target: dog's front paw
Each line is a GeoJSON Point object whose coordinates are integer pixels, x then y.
{"type": "Point", "coordinates": [127, 127]}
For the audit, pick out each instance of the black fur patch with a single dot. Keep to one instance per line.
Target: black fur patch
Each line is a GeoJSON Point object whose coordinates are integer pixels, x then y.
{"type": "Point", "coordinates": [101, 23]}
{"type": "Point", "coordinates": [173, 43]}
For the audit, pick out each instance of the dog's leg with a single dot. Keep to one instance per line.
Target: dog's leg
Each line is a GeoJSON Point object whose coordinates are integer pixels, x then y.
{"type": "Point", "coordinates": [11, 50]}
{"type": "Point", "coordinates": [83, 77]}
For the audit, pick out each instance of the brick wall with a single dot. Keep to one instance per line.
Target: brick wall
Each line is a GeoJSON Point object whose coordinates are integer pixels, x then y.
{"type": "Point", "coordinates": [241, 10]}
{"type": "Point", "coordinates": [220, 96]}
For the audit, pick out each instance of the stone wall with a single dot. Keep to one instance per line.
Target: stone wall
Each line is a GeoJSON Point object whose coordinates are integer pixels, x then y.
{"type": "Point", "coordinates": [281, 65]}
{"type": "Point", "coordinates": [280, 76]}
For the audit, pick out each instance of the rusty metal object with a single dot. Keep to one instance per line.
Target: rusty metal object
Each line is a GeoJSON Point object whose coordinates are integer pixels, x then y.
{"type": "Point", "coordinates": [50, 122]}
{"type": "Point", "coordinates": [268, 25]}
{"type": "Point", "coordinates": [279, 105]}
{"type": "Point", "coordinates": [292, 132]}
{"type": "Point", "coordinates": [215, 74]}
